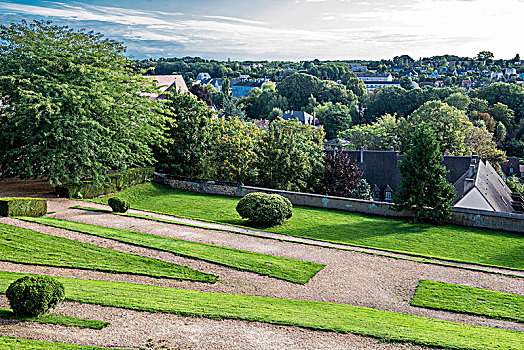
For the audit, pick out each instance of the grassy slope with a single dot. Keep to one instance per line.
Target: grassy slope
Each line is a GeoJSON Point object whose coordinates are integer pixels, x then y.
{"type": "Point", "coordinates": [8, 343]}
{"type": "Point", "coordinates": [6, 314]}
{"type": "Point", "coordinates": [293, 270]}
{"type": "Point", "coordinates": [25, 246]}
{"type": "Point", "coordinates": [477, 301]}
{"type": "Point", "coordinates": [311, 314]}
{"type": "Point", "coordinates": [449, 242]}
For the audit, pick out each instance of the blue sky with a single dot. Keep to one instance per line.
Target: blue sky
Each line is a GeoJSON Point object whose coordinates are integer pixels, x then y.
{"type": "Point", "coordinates": [290, 29]}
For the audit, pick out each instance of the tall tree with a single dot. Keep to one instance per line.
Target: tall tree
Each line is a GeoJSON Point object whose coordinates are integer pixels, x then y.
{"type": "Point", "coordinates": [423, 187]}
{"type": "Point", "coordinates": [71, 105]}
{"type": "Point", "coordinates": [232, 151]}
{"type": "Point", "coordinates": [335, 117]}
{"type": "Point", "coordinates": [341, 175]}
{"type": "Point", "coordinates": [188, 132]}
{"type": "Point", "coordinates": [290, 156]}
{"type": "Point", "coordinates": [298, 87]}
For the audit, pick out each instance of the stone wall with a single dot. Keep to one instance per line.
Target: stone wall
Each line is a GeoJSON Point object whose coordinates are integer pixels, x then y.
{"type": "Point", "coordinates": [459, 216]}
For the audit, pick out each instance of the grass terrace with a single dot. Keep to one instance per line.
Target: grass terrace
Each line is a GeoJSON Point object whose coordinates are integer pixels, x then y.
{"type": "Point", "coordinates": [8, 343]}
{"type": "Point", "coordinates": [476, 301]}
{"type": "Point", "coordinates": [292, 270]}
{"type": "Point", "coordinates": [447, 242]}
{"type": "Point", "coordinates": [20, 245]}
{"type": "Point", "coordinates": [391, 326]}
{"type": "Point", "coordinates": [67, 321]}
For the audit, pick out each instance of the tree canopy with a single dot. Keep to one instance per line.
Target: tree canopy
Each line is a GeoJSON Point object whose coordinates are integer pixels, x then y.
{"type": "Point", "coordinates": [71, 105]}
{"type": "Point", "coordinates": [424, 187]}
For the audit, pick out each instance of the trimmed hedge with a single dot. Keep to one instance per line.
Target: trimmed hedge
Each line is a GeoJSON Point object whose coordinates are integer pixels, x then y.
{"type": "Point", "coordinates": [116, 182]}
{"type": "Point", "coordinates": [118, 205]}
{"type": "Point", "coordinates": [33, 296]}
{"type": "Point", "coordinates": [12, 206]}
{"type": "Point", "coordinates": [265, 209]}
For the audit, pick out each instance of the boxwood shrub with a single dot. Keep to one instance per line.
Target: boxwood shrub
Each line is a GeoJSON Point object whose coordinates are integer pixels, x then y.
{"type": "Point", "coordinates": [116, 182]}
{"type": "Point", "coordinates": [118, 205]}
{"type": "Point", "coordinates": [33, 296]}
{"type": "Point", "coordinates": [11, 206]}
{"type": "Point", "coordinates": [265, 209]}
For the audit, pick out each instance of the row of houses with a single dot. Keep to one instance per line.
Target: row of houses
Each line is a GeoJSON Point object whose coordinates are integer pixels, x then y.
{"type": "Point", "coordinates": [477, 184]}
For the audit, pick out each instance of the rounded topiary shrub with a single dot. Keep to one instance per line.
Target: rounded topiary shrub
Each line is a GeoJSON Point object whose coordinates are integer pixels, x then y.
{"type": "Point", "coordinates": [33, 296]}
{"type": "Point", "coordinates": [118, 205]}
{"type": "Point", "coordinates": [265, 209]}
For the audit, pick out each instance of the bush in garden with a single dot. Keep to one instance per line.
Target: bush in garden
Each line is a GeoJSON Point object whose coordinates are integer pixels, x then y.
{"type": "Point", "coordinates": [33, 296]}
{"type": "Point", "coordinates": [118, 205]}
{"type": "Point", "coordinates": [265, 209]}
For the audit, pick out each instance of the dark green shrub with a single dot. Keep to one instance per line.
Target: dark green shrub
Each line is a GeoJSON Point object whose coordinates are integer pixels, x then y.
{"type": "Point", "coordinates": [33, 296]}
{"type": "Point", "coordinates": [116, 182]}
{"type": "Point", "coordinates": [265, 209]}
{"type": "Point", "coordinates": [118, 205]}
{"type": "Point", "coordinates": [35, 207]}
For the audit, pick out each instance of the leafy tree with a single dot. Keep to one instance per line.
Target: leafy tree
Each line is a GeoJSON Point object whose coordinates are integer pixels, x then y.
{"type": "Point", "coordinates": [380, 135]}
{"type": "Point", "coordinates": [71, 105]}
{"type": "Point", "coordinates": [502, 113]}
{"type": "Point", "coordinates": [458, 100]}
{"type": "Point", "coordinates": [363, 190]}
{"type": "Point", "coordinates": [500, 132]}
{"type": "Point", "coordinates": [188, 132]}
{"type": "Point", "coordinates": [275, 113]}
{"type": "Point", "coordinates": [481, 141]}
{"type": "Point", "coordinates": [335, 117]}
{"type": "Point", "coordinates": [447, 123]}
{"type": "Point", "coordinates": [202, 93]}
{"type": "Point", "coordinates": [232, 108]}
{"type": "Point", "coordinates": [225, 87]}
{"type": "Point", "coordinates": [232, 150]}
{"type": "Point", "coordinates": [354, 84]}
{"type": "Point", "coordinates": [335, 93]}
{"type": "Point", "coordinates": [341, 175]}
{"type": "Point", "coordinates": [423, 187]}
{"type": "Point", "coordinates": [485, 55]}
{"type": "Point", "coordinates": [290, 156]}
{"type": "Point", "coordinates": [512, 95]}
{"type": "Point", "coordinates": [406, 83]}
{"type": "Point", "coordinates": [298, 87]}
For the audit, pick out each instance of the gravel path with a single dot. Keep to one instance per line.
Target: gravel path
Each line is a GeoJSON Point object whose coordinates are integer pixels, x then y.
{"type": "Point", "coordinates": [349, 277]}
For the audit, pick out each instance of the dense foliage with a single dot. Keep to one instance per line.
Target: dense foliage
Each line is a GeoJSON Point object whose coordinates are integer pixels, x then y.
{"type": "Point", "coordinates": [265, 209]}
{"type": "Point", "coordinates": [424, 187]}
{"type": "Point", "coordinates": [71, 105]}
{"type": "Point", "coordinates": [188, 130]}
{"type": "Point", "coordinates": [341, 176]}
{"type": "Point", "coordinates": [232, 151]}
{"type": "Point", "coordinates": [290, 156]}
{"type": "Point", "coordinates": [118, 205]}
{"type": "Point", "coordinates": [33, 296]}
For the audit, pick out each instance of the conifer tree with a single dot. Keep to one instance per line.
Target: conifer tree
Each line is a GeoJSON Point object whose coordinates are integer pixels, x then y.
{"type": "Point", "coordinates": [424, 187]}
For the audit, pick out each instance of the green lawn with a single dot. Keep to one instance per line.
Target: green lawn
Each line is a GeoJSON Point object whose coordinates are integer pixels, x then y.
{"type": "Point", "coordinates": [477, 301]}
{"type": "Point", "coordinates": [8, 343]}
{"type": "Point", "coordinates": [293, 270]}
{"type": "Point", "coordinates": [448, 242]}
{"type": "Point", "coordinates": [6, 314]}
{"type": "Point", "coordinates": [382, 324]}
{"type": "Point", "coordinates": [25, 246]}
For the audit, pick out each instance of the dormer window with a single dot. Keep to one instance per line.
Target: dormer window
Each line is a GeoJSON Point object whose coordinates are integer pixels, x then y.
{"type": "Point", "coordinates": [388, 193]}
{"type": "Point", "coordinates": [375, 193]}
{"type": "Point", "coordinates": [511, 170]}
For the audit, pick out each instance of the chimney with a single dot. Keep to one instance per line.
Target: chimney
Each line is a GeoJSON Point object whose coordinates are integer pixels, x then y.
{"type": "Point", "coordinates": [362, 154]}
{"type": "Point", "coordinates": [471, 171]}
{"type": "Point", "coordinates": [446, 153]}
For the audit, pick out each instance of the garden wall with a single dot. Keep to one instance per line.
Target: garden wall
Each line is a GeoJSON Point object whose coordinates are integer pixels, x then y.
{"type": "Point", "coordinates": [460, 216]}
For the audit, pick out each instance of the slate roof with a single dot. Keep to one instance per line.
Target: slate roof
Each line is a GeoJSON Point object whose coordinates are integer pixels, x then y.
{"type": "Point", "coordinates": [303, 117]}
{"type": "Point", "coordinates": [512, 162]}
{"type": "Point", "coordinates": [487, 181]}
{"type": "Point", "coordinates": [168, 83]}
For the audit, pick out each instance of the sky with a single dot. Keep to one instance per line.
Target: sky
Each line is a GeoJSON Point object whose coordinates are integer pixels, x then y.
{"type": "Point", "coordinates": [290, 29]}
